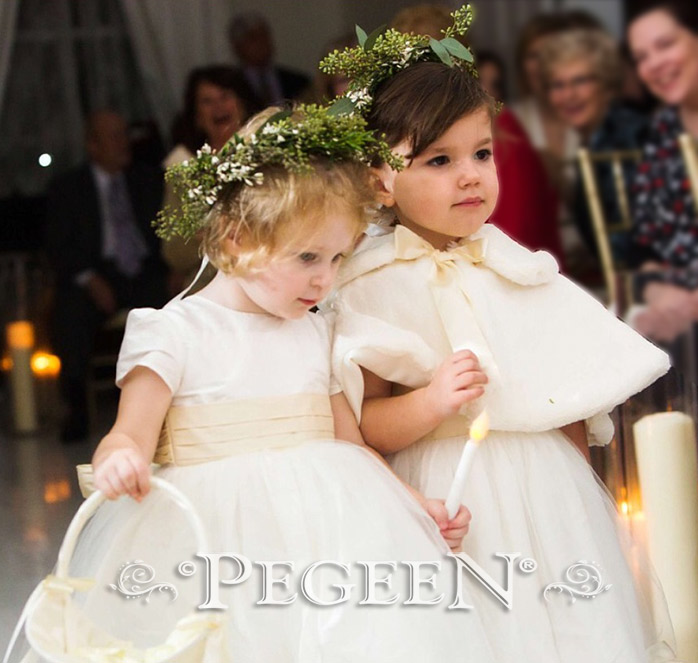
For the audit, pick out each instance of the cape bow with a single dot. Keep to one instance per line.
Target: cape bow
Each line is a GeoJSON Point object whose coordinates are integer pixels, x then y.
{"type": "Point", "coordinates": [449, 290]}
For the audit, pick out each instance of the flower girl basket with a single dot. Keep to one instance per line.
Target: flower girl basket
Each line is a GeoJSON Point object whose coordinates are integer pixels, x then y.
{"type": "Point", "coordinates": [59, 631]}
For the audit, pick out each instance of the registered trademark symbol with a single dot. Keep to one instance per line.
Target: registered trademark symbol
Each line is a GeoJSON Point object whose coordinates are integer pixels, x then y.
{"type": "Point", "coordinates": [528, 565]}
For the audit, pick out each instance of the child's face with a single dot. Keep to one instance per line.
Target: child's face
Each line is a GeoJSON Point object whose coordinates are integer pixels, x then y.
{"type": "Point", "coordinates": [451, 188]}
{"type": "Point", "coordinates": [292, 283]}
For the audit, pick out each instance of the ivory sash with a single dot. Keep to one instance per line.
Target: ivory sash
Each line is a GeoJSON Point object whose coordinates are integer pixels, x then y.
{"type": "Point", "coordinates": [201, 433]}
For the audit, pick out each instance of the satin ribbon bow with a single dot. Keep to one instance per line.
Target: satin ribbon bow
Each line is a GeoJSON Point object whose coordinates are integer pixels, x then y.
{"type": "Point", "coordinates": [449, 290]}
{"type": "Point", "coordinates": [67, 585]}
{"type": "Point", "coordinates": [409, 246]}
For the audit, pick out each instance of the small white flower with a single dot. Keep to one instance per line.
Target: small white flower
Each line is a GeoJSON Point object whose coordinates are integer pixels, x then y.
{"type": "Point", "coordinates": [359, 97]}
{"type": "Point", "coordinates": [280, 139]}
{"type": "Point", "coordinates": [270, 129]}
{"type": "Point", "coordinates": [214, 160]}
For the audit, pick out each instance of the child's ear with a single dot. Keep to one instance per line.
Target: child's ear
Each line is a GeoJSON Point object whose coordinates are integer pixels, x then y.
{"type": "Point", "coordinates": [384, 184]}
{"type": "Point", "coordinates": [231, 243]}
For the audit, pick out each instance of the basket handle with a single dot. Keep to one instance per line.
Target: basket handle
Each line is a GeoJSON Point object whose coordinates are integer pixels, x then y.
{"type": "Point", "coordinates": [93, 502]}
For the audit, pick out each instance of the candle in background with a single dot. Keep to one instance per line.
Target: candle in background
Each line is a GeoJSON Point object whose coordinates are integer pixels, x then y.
{"type": "Point", "coordinates": [20, 343]}
{"type": "Point", "coordinates": [665, 447]}
{"type": "Point", "coordinates": [478, 432]}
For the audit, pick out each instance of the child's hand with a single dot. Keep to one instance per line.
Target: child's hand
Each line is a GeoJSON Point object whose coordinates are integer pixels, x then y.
{"type": "Point", "coordinates": [456, 382]}
{"type": "Point", "coordinates": [123, 472]}
{"type": "Point", "coordinates": [452, 530]}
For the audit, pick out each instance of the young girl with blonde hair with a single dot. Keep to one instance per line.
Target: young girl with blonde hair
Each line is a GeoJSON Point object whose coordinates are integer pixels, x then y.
{"type": "Point", "coordinates": [237, 377]}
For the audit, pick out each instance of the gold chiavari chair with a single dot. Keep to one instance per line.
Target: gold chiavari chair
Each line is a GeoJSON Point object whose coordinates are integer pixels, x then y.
{"type": "Point", "coordinates": [689, 151]}
{"type": "Point", "coordinates": [616, 276]}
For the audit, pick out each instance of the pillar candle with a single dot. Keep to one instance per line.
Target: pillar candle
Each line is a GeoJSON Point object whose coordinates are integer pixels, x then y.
{"type": "Point", "coordinates": [665, 447]}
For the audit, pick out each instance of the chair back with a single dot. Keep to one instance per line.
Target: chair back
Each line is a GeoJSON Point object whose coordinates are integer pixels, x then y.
{"type": "Point", "coordinates": [618, 285]}
{"type": "Point", "coordinates": [689, 152]}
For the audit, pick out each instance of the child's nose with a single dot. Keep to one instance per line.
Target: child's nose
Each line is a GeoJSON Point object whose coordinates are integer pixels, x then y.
{"type": "Point", "coordinates": [323, 277]}
{"type": "Point", "coordinates": [467, 174]}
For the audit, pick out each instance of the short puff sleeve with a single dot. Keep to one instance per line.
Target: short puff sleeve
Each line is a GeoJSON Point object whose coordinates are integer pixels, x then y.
{"type": "Point", "coordinates": [151, 340]}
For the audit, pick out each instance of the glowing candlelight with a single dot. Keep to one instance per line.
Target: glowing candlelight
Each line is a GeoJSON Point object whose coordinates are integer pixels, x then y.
{"type": "Point", "coordinates": [45, 365]}
{"type": "Point", "coordinates": [478, 431]}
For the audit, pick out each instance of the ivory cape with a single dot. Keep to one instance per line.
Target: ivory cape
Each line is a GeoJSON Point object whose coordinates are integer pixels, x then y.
{"type": "Point", "coordinates": [553, 354]}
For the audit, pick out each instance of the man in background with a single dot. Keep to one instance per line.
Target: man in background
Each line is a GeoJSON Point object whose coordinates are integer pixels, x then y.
{"type": "Point", "coordinates": [103, 250]}
{"type": "Point", "coordinates": [252, 42]}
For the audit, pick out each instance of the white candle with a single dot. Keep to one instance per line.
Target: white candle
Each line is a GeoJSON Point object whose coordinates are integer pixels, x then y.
{"type": "Point", "coordinates": [20, 341]}
{"type": "Point", "coordinates": [478, 432]}
{"type": "Point", "coordinates": [665, 446]}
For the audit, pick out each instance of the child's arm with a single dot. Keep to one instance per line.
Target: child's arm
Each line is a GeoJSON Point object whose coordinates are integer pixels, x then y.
{"type": "Point", "coordinates": [577, 433]}
{"type": "Point", "coordinates": [121, 461]}
{"type": "Point", "coordinates": [346, 428]}
{"type": "Point", "coordinates": [391, 423]}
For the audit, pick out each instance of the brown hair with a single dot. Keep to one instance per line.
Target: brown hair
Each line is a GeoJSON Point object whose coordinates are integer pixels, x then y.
{"type": "Point", "coordinates": [283, 212]}
{"type": "Point", "coordinates": [684, 12]}
{"type": "Point", "coordinates": [421, 102]}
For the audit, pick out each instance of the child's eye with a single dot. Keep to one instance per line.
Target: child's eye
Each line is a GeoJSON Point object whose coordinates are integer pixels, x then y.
{"type": "Point", "coordinates": [483, 155]}
{"type": "Point", "coordinates": [441, 160]}
{"type": "Point", "coordinates": [307, 256]}
{"type": "Point", "coordinates": [338, 257]}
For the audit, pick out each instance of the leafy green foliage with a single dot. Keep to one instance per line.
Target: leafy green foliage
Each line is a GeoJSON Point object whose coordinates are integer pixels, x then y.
{"type": "Point", "coordinates": [288, 140]}
{"type": "Point", "coordinates": [383, 53]}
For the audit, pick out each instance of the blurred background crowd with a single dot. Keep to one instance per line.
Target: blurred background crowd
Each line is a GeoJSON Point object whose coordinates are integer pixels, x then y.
{"type": "Point", "coordinates": [98, 97]}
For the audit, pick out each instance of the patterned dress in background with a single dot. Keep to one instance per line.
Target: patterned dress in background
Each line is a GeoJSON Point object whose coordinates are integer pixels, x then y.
{"type": "Point", "coordinates": [665, 224]}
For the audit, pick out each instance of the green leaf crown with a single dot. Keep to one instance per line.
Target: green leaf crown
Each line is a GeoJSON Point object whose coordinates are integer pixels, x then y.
{"type": "Point", "coordinates": [289, 139]}
{"type": "Point", "coordinates": [383, 53]}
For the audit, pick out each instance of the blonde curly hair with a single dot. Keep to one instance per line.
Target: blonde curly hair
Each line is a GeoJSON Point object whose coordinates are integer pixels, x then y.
{"type": "Point", "coordinates": [284, 211]}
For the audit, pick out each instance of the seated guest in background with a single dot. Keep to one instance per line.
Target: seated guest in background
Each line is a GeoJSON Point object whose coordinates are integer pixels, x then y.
{"type": "Point", "coordinates": [252, 42]}
{"type": "Point", "coordinates": [555, 142]}
{"type": "Point", "coordinates": [102, 248]}
{"type": "Point", "coordinates": [663, 40]}
{"type": "Point", "coordinates": [527, 207]}
{"type": "Point", "coordinates": [492, 73]}
{"type": "Point", "coordinates": [216, 104]}
{"type": "Point", "coordinates": [582, 74]}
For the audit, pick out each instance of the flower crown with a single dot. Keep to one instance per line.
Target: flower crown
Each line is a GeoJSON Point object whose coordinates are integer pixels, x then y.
{"type": "Point", "coordinates": [289, 139]}
{"type": "Point", "coordinates": [383, 53]}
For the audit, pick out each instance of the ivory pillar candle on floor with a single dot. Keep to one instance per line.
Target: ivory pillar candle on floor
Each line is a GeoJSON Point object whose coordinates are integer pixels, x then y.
{"type": "Point", "coordinates": [665, 446]}
{"type": "Point", "coordinates": [20, 342]}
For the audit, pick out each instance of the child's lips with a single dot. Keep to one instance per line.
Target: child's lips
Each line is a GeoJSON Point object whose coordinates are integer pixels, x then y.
{"type": "Point", "coordinates": [308, 302]}
{"type": "Point", "coordinates": [470, 202]}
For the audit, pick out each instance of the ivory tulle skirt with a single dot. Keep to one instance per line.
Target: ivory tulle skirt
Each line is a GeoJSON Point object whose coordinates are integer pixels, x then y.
{"type": "Point", "coordinates": [320, 501]}
{"type": "Point", "coordinates": [534, 494]}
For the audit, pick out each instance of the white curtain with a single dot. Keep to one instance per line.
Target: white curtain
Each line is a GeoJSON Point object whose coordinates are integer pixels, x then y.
{"type": "Point", "coordinates": [8, 24]}
{"type": "Point", "coordinates": [171, 37]}
{"type": "Point", "coordinates": [62, 59]}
